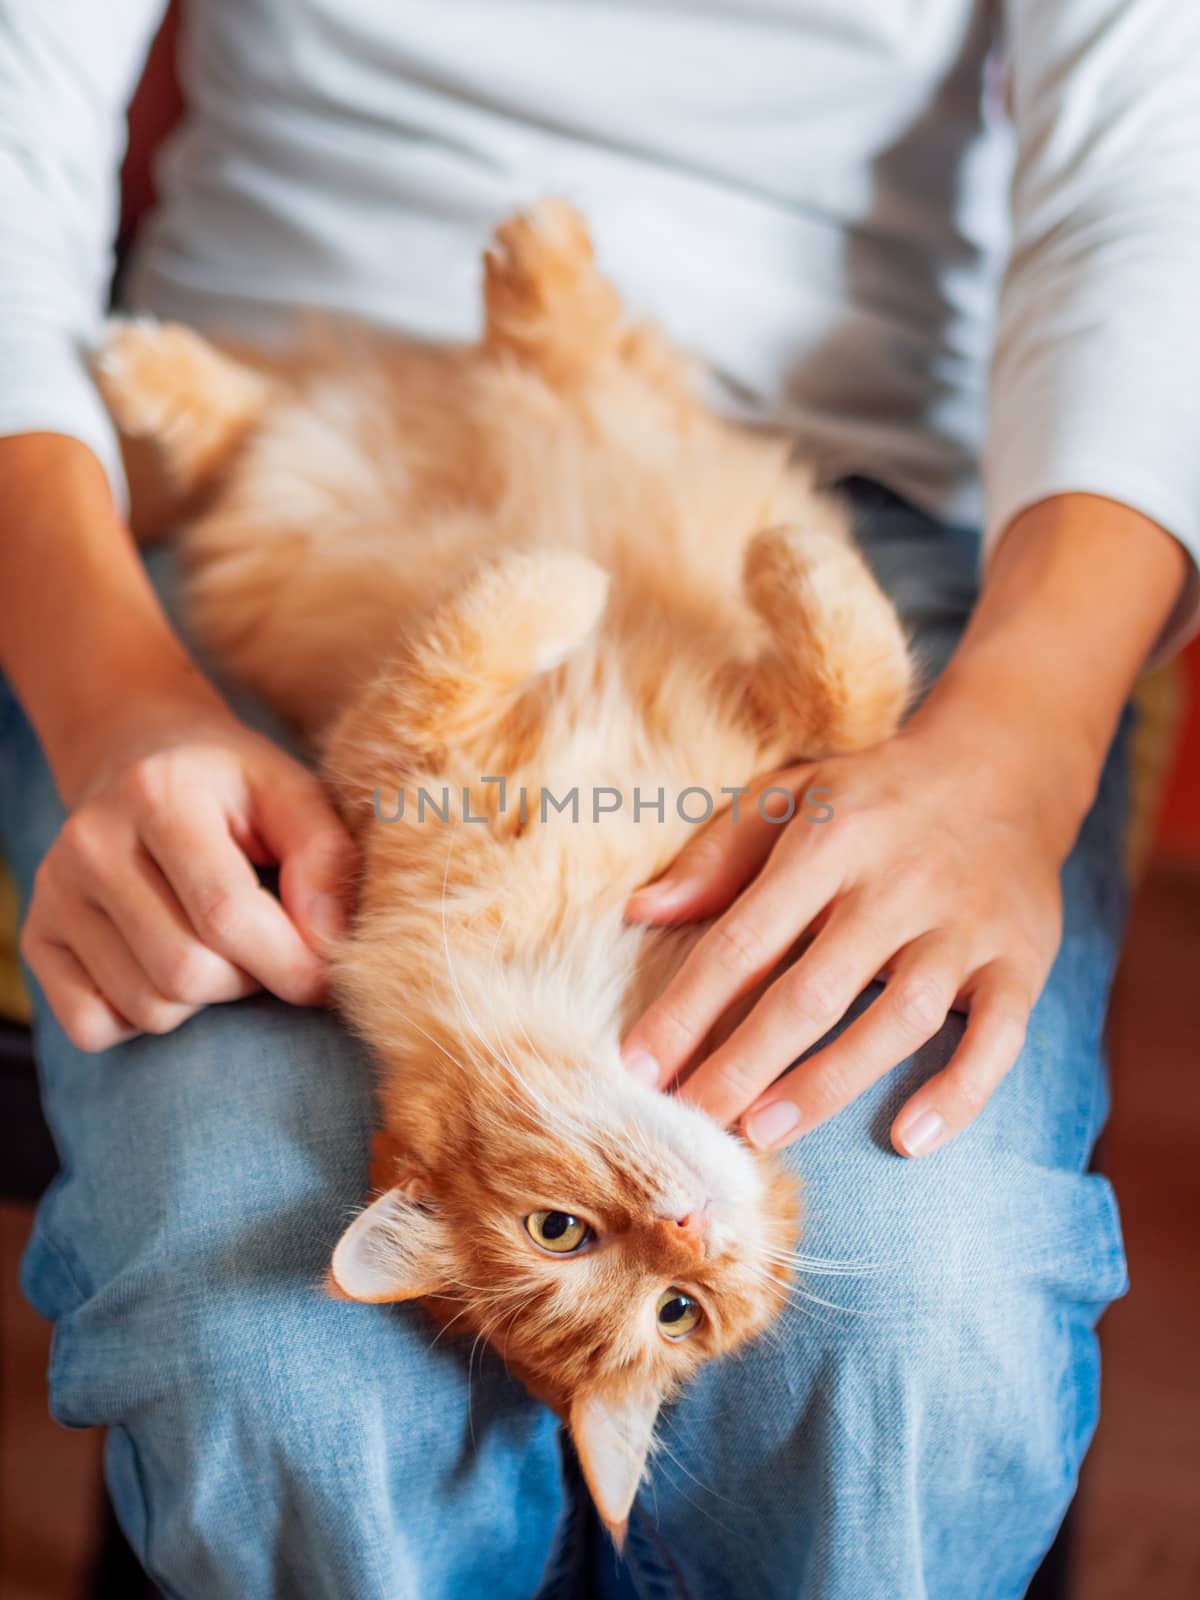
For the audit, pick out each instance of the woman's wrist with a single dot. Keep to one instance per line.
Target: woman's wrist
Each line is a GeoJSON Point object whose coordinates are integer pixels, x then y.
{"type": "Point", "coordinates": [990, 735]}
{"type": "Point", "coordinates": [83, 637]}
{"type": "Point", "coordinates": [1075, 598]}
{"type": "Point", "coordinates": [119, 679]}
{"type": "Point", "coordinates": [131, 706]}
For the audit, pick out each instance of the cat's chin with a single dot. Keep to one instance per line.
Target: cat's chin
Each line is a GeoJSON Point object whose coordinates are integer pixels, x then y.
{"type": "Point", "coordinates": [717, 1172]}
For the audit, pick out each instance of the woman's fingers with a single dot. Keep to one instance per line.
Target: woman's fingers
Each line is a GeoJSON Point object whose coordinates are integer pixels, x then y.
{"type": "Point", "coordinates": [119, 977]}
{"type": "Point", "coordinates": [735, 954]}
{"type": "Point", "coordinates": [145, 911]}
{"type": "Point", "coordinates": [147, 906]}
{"type": "Point", "coordinates": [295, 819]}
{"type": "Point", "coordinates": [799, 1008]}
{"type": "Point", "coordinates": [228, 909]}
{"type": "Point", "coordinates": [1002, 996]}
{"type": "Point", "coordinates": [721, 860]}
{"type": "Point", "coordinates": [84, 1015]}
{"type": "Point", "coordinates": [915, 1002]}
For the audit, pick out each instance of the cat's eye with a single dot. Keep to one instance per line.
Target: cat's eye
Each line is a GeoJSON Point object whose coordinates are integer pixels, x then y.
{"type": "Point", "coordinates": [557, 1231]}
{"type": "Point", "coordinates": [678, 1314]}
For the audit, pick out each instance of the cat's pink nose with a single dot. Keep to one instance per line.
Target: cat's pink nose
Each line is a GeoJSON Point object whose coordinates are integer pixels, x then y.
{"type": "Point", "coordinates": [692, 1229]}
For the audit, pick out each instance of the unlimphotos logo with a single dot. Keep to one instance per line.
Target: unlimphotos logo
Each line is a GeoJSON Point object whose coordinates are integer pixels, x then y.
{"type": "Point", "coordinates": [596, 804]}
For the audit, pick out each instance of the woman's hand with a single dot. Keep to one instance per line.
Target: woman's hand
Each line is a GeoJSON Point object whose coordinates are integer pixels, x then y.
{"type": "Point", "coordinates": [940, 866]}
{"type": "Point", "coordinates": [938, 871]}
{"type": "Point", "coordinates": [147, 906]}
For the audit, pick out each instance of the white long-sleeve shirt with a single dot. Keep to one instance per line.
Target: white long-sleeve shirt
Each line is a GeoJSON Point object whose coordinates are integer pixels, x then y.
{"type": "Point", "coordinates": [823, 198]}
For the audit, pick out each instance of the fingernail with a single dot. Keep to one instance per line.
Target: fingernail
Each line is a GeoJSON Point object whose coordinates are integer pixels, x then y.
{"type": "Point", "coordinates": [663, 894]}
{"type": "Point", "coordinates": [769, 1125]}
{"type": "Point", "coordinates": [640, 1064]}
{"type": "Point", "coordinates": [327, 916]}
{"type": "Point", "coordinates": [922, 1134]}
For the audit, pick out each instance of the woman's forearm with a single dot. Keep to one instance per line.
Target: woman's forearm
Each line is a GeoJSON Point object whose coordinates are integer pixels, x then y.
{"type": "Point", "coordinates": [83, 639]}
{"type": "Point", "coordinates": [1076, 596]}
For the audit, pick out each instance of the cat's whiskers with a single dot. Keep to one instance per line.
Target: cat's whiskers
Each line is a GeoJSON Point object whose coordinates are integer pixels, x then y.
{"type": "Point", "coordinates": [665, 1420]}
{"type": "Point", "coordinates": [485, 1335]}
{"type": "Point", "coordinates": [446, 1326]}
{"type": "Point", "coordinates": [833, 1261]}
{"type": "Point", "coordinates": [515, 1314]}
{"type": "Point", "coordinates": [793, 1294]}
{"type": "Point", "coordinates": [436, 1043]}
{"type": "Point", "coordinates": [822, 1266]}
{"type": "Point", "coordinates": [471, 1392]}
{"type": "Point", "coordinates": [703, 1511]}
{"type": "Point", "coordinates": [535, 1115]}
{"type": "Point", "coordinates": [482, 1336]}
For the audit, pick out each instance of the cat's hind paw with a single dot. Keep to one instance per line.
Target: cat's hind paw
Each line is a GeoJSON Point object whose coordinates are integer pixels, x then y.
{"type": "Point", "coordinates": [546, 302]}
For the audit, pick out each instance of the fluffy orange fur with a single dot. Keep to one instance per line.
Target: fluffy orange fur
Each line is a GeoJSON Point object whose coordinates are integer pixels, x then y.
{"type": "Point", "coordinates": [538, 558]}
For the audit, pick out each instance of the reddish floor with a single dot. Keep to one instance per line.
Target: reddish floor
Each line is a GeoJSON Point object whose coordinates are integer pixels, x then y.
{"type": "Point", "coordinates": [1139, 1534]}
{"type": "Point", "coordinates": [49, 1478]}
{"type": "Point", "coordinates": [1140, 1524]}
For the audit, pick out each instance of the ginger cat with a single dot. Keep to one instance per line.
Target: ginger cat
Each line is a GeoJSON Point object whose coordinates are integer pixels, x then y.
{"type": "Point", "coordinates": [536, 559]}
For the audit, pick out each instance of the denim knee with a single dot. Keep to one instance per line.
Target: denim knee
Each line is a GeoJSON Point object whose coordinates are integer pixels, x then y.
{"type": "Point", "coordinates": [1007, 1208]}
{"type": "Point", "coordinates": [245, 1401]}
{"type": "Point", "coordinates": [915, 1423]}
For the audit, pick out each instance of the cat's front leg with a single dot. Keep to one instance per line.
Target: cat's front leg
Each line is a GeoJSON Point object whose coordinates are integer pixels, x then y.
{"type": "Point", "coordinates": [461, 673]}
{"type": "Point", "coordinates": [164, 383]}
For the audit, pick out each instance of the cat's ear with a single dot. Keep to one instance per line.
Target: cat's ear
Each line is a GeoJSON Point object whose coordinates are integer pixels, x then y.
{"type": "Point", "coordinates": [612, 1430]}
{"type": "Point", "coordinates": [394, 1250]}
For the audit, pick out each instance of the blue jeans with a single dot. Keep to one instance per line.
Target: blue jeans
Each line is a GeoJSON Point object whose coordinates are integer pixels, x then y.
{"type": "Point", "coordinates": [915, 1431]}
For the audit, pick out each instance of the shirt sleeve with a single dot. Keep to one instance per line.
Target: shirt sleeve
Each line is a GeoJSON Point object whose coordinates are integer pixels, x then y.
{"type": "Point", "coordinates": [1096, 374]}
{"type": "Point", "coordinates": [67, 70]}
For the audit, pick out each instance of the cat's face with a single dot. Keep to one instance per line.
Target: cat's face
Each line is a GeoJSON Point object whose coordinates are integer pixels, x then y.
{"type": "Point", "coordinates": [605, 1239]}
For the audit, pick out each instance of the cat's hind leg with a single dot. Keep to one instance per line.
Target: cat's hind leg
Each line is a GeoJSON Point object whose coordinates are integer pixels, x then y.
{"type": "Point", "coordinates": [167, 384]}
{"type": "Point", "coordinates": [547, 305]}
{"type": "Point", "coordinates": [836, 675]}
{"type": "Point", "coordinates": [545, 302]}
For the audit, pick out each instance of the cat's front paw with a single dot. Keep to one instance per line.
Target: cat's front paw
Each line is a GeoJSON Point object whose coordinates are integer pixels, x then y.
{"type": "Point", "coordinates": [139, 373]}
{"type": "Point", "coordinates": [166, 383]}
{"type": "Point", "coordinates": [562, 597]}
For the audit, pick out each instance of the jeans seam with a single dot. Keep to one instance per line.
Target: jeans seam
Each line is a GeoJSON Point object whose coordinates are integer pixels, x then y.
{"type": "Point", "coordinates": [65, 1254]}
{"type": "Point", "coordinates": [45, 1238]}
{"type": "Point", "coordinates": [664, 1580]}
{"type": "Point", "coordinates": [168, 1591]}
